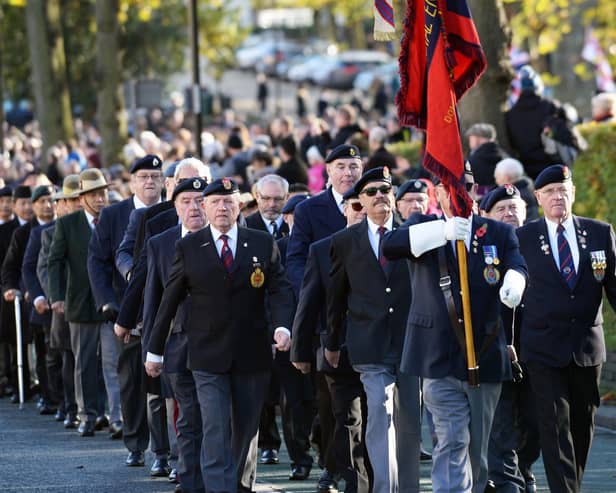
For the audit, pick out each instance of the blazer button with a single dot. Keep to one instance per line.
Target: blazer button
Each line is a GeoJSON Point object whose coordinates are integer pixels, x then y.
{"type": "Point", "coordinates": [388, 290]}
{"type": "Point", "coordinates": [572, 296]}
{"type": "Point", "coordinates": [573, 320]}
{"type": "Point", "coordinates": [391, 310]}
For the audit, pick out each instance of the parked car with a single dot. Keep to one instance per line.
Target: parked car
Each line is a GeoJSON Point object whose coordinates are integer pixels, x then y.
{"type": "Point", "coordinates": [342, 74]}
{"type": "Point", "coordinates": [387, 72]}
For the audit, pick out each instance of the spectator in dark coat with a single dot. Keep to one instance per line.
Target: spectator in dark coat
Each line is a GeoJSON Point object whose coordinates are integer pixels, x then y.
{"type": "Point", "coordinates": [292, 169]}
{"type": "Point", "coordinates": [511, 171]}
{"type": "Point", "coordinates": [346, 122]}
{"type": "Point", "coordinates": [379, 156]}
{"type": "Point", "coordinates": [485, 152]}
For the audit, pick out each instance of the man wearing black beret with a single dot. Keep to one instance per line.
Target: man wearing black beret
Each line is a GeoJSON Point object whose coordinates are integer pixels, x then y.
{"type": "Point", "coordinates": [572, 263]}
{"type": "Point", "coordinates": [224, 267]}
{"type": "Point", "coordinates": [412, 196]}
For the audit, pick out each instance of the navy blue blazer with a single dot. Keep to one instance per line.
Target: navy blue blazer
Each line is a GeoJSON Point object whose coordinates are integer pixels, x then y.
{"type": "Point", "coordinates": [311, 315]}
{"type": "Point", "coordinates": [107, 283]}
{"type": "Point", "coordinates": [313, 220]}
{"type": "Point", "coordinates": [160, 253]}
{"type": "Point", "coordinates": [561, 325]}
{"type": "Point", "coordinates": [431, 348]}
{"type": "Point", "coordinates": [28, 273]}
{"type": "Point", "coordinates": [150, 213]}
{"type": "Point", "coordinates": [124, 254]}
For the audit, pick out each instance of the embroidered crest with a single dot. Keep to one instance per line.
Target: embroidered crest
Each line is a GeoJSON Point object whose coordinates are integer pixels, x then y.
{"type": "Point", "coordinates": [226, 183]}
{"type": "Point", "coordinates": [491, 275]}
{"type": "Point", "coordinates": [197, 185]}
{"type": "Point", "coordinates": [257, 278]}
{"type": "Point", "coordinates": [385, 172]}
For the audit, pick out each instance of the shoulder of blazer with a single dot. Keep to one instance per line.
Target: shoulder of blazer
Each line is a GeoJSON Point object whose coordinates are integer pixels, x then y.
{"type": "Point", "coordinates": [167, 235]}
{"type": "Point", "coordinates": [530, 227]}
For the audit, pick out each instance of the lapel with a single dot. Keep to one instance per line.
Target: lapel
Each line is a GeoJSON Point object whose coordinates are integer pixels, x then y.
{"type": "Point", "coordinates": [83, 225]}
{"type": "Point", "coordinates": [582, 242]}
{"type": "Point", "coordinates": [389, 266]}
{"type": "Point", "coordinates": [546, 252]}
{"type": "Point", "coordinates": [240, 249]}
{"type": "Point", "coordinates": [332, 200]}
{"type": "Point", "coordinates": [208, 245]}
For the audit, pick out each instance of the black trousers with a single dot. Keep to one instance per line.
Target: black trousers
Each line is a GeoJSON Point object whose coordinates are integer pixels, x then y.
{"type": "Point", "coordinates": [131, 374]}
{"type": "Point", "coordinates": [348, 402]}
{"type": "Point", "coordinates": [326, 424]}
{"type": "Point", "coordinates": [527, 427]}
{"type": "Point", "coordinates": [567, 399]}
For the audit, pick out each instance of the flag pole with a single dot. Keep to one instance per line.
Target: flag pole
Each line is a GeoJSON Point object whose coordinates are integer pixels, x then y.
{"type": "Point", "coordinates": [471, 359]}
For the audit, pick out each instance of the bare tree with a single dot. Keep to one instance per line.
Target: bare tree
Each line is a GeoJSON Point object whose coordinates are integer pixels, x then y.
{"type": "Point", "coordinates": [110, 99]}
{"type": "Point", "coordinates": [486, 101]}
{"type": "Point", "coordinates": [48, 63]}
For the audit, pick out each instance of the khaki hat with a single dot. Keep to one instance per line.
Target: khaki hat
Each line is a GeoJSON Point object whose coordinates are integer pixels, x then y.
{"type": "Point", "coordinates": [91, 179]}
{"type": "Point", "coordinates": [70, 188]}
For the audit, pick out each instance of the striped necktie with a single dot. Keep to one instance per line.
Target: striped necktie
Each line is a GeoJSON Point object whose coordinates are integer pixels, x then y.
{"type": "Point", "coordinates": [382, 259]}
{"type": "Point", "coordinates": [225, 254]}
{"type": "Point", "coordinates": [566, 266]}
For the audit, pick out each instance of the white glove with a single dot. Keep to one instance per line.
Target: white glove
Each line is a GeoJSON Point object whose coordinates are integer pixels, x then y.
{"type": "Point", "coordinates": [457, 228]}
{"type": "Point", "coordinates": [512, 289]}
{"type": "Point", "coordinates": [426, 236]}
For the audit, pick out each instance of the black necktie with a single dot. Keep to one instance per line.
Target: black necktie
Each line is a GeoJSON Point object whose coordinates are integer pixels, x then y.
{"type": "Point", "coordinates": [275, 232]}
{"type": "Point", "coordinates": [382, 259]}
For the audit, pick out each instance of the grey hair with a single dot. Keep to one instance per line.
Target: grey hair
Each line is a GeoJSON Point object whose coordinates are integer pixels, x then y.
{"type": "Point", "coordinates": [279, 180]}
{"type": "Point", "coordinates": [378, 134]}
{"type": "Point", "coordinates": [512, 168]}
{"type": "Point", "coordinates": [203, 170]}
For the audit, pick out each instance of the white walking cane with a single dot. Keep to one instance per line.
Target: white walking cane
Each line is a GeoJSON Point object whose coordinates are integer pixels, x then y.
{"type": "Point", "coordinates": [20, 359]}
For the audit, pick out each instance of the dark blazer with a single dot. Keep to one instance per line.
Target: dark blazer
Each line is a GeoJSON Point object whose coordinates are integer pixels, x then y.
{"type": "Point", "coordinates": [131, 307]}
{"type": "Point", "coordinates": [6, 233]}
{"type": "Point", "coordinates": [431, 348]}
{"type": "Point", "coordinates": [29, 276]}
{"type": "Point", "coordinates": [560, 325]}
{"type": "Point", "coordinates": [11, 266]}
{"type": "Point", "coordinates": [150, 213]}
{"type": "Point", "coordinates": [283, 244]}
{"type": "Point", "coordinates": [160, 251]}
{"type": "Point", "coordinates": [67, 268]}
{"type": "Point", "coordinates": [107, 283]}
{"type": "Point", "coordinates": [227, 325]}
{"type": "Point", "coordinates": [255, 221]}
{"type": "Point", "coordinates": [124, 254]}
{"type": "Point", "coordinates": [311, 314]}
{"type": "Point", "coordinates": [374, 300]}
{"type": "Point", "coordinates": [313, 219]}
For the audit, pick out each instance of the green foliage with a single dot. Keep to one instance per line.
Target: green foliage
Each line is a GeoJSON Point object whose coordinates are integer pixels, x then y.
{"type": "Point", "coordinates": [408, 150]}
{"type": "Point", "coordinates": [594, 175]}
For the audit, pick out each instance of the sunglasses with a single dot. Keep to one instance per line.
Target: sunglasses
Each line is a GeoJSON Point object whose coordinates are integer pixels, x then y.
{"type": "Point", "coordinates": [356, 206]}
{"type": "Point", "coordinates": [371, 191]}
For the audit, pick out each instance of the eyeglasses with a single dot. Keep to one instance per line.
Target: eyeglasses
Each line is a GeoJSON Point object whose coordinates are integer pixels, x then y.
{"type": "Point", "coordinates": [371, 191]}
{"type": "Point", "coordinates": [356, 206]}
{"type": "Point", "coordinates": [265, 198]}
{"type": "Point", "coordinates": [149, 176]}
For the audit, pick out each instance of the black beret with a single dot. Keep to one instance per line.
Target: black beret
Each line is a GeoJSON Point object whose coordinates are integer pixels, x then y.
{"type": "Point", "coordinates": [41, 191]}
{"type": "Point", "coordinates": [557, 173]}
{"type": "Point", "coordinates": [351, 193]}
{"type": "Point", "coordinates": [22, 192]}
{"type": "Point", "coordinates": [343, 151]}
{"type": "Point", "coordinates": [289, 207]}
{"type": "Point", "coordinates": [374, 174]}
{"type": "Point", "coordinates": [6, 192]}
{"type": "Point", "coordinates": [146, 162]}
{"type": "Point", "coordinates": [189, 185]}
{"type": "Point", "coordinates": [504, 192]}
{"type": "Point", "coordinates": [222, 186]}
{"type": "Point", "coordinates": [411, 186]}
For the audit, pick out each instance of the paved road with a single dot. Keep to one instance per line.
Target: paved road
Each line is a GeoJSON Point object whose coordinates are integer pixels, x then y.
{"type": "Point", "coordinates": [39, 456]}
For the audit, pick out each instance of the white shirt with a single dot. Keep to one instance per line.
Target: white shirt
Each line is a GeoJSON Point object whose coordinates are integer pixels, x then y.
{"type": "Point", "coordinates": [268, 223]}
{"type": "Point", "coordinates": [231, 240]}
{"type": "Point", "coordinates": [373, 233]}
{"type": "Point", "coordinates": [338, 198]}
{"type": "Point", "coordinates": [140, 205]}
{"type": "Point", "coordinates": [21, 221]}
{"type": "Point", "coordinates": [571, 239]}
{"type": "Point", "coordinates": [90, 219]}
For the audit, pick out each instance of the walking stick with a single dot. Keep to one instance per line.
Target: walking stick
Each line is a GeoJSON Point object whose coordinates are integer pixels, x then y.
{"type": "Point", "coordinates": [20, 359]}
{"type": "Point", "coordinates": [471, 360]}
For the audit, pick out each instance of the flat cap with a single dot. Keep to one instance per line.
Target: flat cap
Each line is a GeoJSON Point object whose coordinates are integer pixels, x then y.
{"type": "Point", "coordinates": [189, 185]}
{"type": "Point", "coordinates": [289, 207]}
{"type": "Point", "coordinates": [411, 186]}
{"type": "Point", "coordinates": [222, 186]}
{"type": "Point", "coordinates": [504, 192]}
{"type": "Point", "coordinates": [147, 162]}
{"type": "Point", "coordinates": [557, 173]}
{"type": "Point", "coordinates": [343, 151]}
{"type": "Point", "coordinates": [22, 192]}
{"type": "Point", "coordinates": [41, 191]}
{"type": "Point", "coordinates": [485, 130]}
{"type": "Point", "coordinates": [374, 174]}
{"type": "Point", "coordinates": [6, 192]}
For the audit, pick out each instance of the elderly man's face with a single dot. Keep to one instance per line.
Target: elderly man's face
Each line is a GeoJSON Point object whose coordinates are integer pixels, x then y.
{"type": "Point", "coordinates": [557, 200]}
{"type": "Point", "coordinates": [344, 173]}
{"type": "Point", "coordinates": [509, 211]}
{"type": "Point", "coordinates": [412, 202]}
{"type": "Point", "coordinates": [377, 197]}
{"type": "Point", "coordinates": [271, 199]}
{"type": "Point", "coordinates": [222, 210]}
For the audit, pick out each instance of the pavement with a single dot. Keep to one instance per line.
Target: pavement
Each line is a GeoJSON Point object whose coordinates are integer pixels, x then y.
{"type": "Point", "coordinates": [39, 456]}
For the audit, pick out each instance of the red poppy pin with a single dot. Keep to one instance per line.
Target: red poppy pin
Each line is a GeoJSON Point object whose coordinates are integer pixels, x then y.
{"type": "Point", "coordinates": [481, 231]}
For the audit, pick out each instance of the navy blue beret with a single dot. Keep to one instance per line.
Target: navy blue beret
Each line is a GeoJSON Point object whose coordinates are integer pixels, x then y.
{"type": "Point", "coordinates": [557, 173]}
{"type": "Point", "coordinates": [351, 193]}
{"type": "Point", "coordinates": [289, 207]}
{"type": "Point", "coordinates": [147, 162]}
{"type": "Point", "coordinates": [222, 186]}
{"type": "Point", "coordinates": [411, 186]}
{"type": "Point", "coordinates": [189, 185]}
{"type": "Point", "coordinates": [374, 174]}
{"type": "Point", "coordinates": [504, 192]}
{"type": "Point", "coordinates": [6, 192]}
{"type": "Point", "coordinates": [41, 191]}
{"type": "Point", "coordinates": [343, 151]}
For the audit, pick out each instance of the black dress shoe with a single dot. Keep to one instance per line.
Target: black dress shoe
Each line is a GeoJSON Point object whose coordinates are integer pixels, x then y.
{"type": "Point", "coordinates": [299, 473]}
{"type": "Point", "coordinates": [269, 456]}
{"type": "Point", "coordinates": [490, 487]}
{"type": "Point", "coordinates": [178, 488]}
{"type": "Point", "coordinates": [101, 422]}
{"type": "Point", "coordinates": [173, 475]}
{"type": "Point", "coordinates": [425, 456]}
{"type": "Point", "coordinates": [135, 459]}
{"type": "Point", "coordinates": [160, 468]}
{"type": "Point", "coordinates": [86, 429]}
{"type": "Point", "coordinates": [115, 430]}
{"type": "Point", "coordinates": [71, 421]}
{"type": "Point", "coordinates": [47, 410]}
{"type": "Point", "coordinates": [59, 416]}
{"type": "Point", "coordinates": [327, 483]}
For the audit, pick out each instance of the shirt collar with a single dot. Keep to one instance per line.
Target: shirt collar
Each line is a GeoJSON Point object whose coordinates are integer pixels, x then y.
{"type": "Point", "coordinates": [141, 205]}
{"type": "Point", "coordinates": [267, 221]}
{"type": "Point", "coordinates": [21, 221]}
{"type": "Point", "coordinates": [90, 218]}
{"type": "Point", "coordinates": [232, 233]}
{"type": "Point", "coordinates": [337, 198]}
{"type": "Point", "coordinates": [553, 226]}
{"type": "Point", "coordinates": [375, 227]}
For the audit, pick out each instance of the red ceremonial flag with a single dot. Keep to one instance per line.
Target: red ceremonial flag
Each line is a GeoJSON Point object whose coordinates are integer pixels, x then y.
{"type": "Point", "coordinates": [440, 59]}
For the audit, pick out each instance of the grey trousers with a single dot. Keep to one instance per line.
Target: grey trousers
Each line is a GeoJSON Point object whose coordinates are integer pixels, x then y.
{"type": "Point", "coordinates": [393, 428]}
{"type": "Point", "coordinates": [230, 409]}
{"type": "Point", "coordinates": [462, 421]}
{"type": "Point", "coordinates": [84, 342]}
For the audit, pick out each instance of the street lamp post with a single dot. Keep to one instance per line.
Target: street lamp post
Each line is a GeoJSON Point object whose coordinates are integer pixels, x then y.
{"type": "Point", "coordinates": [196, 80]}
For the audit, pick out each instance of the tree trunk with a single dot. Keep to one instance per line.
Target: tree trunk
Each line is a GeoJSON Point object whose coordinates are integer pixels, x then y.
{"type": "Point", "coordinates": [486, 102]}
{"type": "Point", "coordinates": [110, 100]}
{"type": "Point", "coordinates": [1, 86]}
{"type": "Point", "coordinates": [48, 64]}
